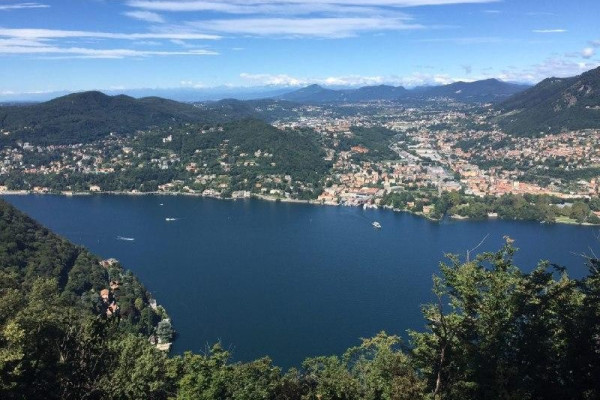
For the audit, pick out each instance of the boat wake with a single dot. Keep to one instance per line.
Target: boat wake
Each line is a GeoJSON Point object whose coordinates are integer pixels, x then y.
{"type": "Point", "coordinates": [128, 239]}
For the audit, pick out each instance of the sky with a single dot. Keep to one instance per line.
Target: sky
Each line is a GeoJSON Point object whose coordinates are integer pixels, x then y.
{"type": "Point", "coordinates": [70, 45]}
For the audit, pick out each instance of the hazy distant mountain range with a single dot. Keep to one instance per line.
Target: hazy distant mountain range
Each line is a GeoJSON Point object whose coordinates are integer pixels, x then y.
{"type": "Point", "coordinates": [489, 90]}
{"type": "Point", "coordinates": [184, 94]}
{"type": "Point", "coordinates": [319, 94]}
{"type": "Point", "coordinates": [553, 105]}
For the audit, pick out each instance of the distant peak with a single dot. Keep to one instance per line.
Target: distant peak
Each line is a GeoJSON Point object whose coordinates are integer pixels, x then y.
{"type": "Point", "coordinates": [89, 96]}
{"type": "Point", "coordinates": [90, 93]}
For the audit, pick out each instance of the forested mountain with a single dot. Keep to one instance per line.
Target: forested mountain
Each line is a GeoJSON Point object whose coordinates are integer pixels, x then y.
{"type": "Point", "coordinates": [319, 94]}
{"type": "Point", "coordinates": [553, 105]}
{"type": "Point", "coordinates": [494, 332]}
{"type": "Point", "coordinates": [65, 316]}
{"type": "Point", "coordinates": [174, 144]}
{"type": "Point", "coordinates": [88, 116]}
{"type": "Point", "coordinates": [265, 109]}
{"type": "Point", "coordinates": [489, 90]}
{"type": "Point", "coordinates": [313, 94]}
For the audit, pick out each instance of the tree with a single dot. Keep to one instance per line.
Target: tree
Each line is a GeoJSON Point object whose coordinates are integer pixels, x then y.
{"type": "Point", "coordinates": [383, 370]}
{"type": "Point", "coordinates": [506, 334]}
{"type": "Point", "coordinates": [203, 377]}
{"type": "Point", "coordinates": [137, 370]}
{"type": "Point", "coordinates": [164, 331]}
{"type": "Point", "coordinates": [580, 211]}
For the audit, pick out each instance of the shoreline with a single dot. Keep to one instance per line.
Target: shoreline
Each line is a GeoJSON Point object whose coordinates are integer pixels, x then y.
{"type": "Point", "coordinates": [262, 197]}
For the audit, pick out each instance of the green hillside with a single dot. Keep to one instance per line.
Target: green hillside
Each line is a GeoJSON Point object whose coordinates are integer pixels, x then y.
{"type": "Point", "coordinates": [88, 116]}
{"type": "Point", "coordinates": [294, 153]}
{"type": "Point", "coordinates": [488, 90]}
{"type": "Point", "coordinates": [554, 105]}
{"type": "Point", "coordinates": [55, 327]}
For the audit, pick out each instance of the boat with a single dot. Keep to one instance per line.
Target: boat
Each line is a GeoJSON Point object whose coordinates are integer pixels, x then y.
{"type": "Point", "coordinates": [376, 225]}
{"type": "Point", "coordinates": [129, 239]}
{"type": "Point", "coordinates": [170, 219]}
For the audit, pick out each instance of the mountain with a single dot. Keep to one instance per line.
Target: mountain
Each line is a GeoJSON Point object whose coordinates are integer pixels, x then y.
{"type": "Point", "coordinates": [489, 90]}
{"type": "Point", "coordinates": [381, 92]}
{"type": "Point", "coordinates": [319, 94]}
{"type": "Point", "coordinates": [484, 91]}
{"type": "Point", "coordinates": [312, 94]}
{"type": "Point", "coordinates": [87, 116]}
{"type": "Point", "coordinates": [553, 105]}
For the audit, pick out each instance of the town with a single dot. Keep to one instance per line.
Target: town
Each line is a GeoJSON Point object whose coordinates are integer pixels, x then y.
{"type": "Point", "coordinates": [372, 152]}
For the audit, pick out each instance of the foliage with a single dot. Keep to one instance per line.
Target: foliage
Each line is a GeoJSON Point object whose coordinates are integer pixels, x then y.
{"type": "Point", "coordinates": [507, 334]}
{"type": "Point", "coordinates": [526, 207]}
{"type": "Point", "coordinates": [55, 335]}
{"type": "Point", "coordinates": [375, 139]}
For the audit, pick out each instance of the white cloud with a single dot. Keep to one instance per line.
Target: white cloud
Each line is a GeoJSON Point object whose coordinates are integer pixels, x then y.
{"type": "Point", "coordinates": [298, 18]}
{"type": "Point", "coordinates": [276, 80]}
{"type": "Point", "coordinates": [244, 6]}
{"type": "Point", "coordinates": [549, 31]}
{"type": "Point", "coordinates": [147, 16]}
{"type": "Point", "coordinates": [253, 8]}
{"type": "Point", "coordinates": [552, 67]}
{"type": "Point", "coordinates": [51, 43]}
{"type": "Point", "coordinates": [82, 52]}
{"type": "Point", "coordinates": [19, 6]}
{"type": "Point", "coordinates": [588, 52]}
{"type": "Point", "coordinates": [307, 27]}
{"type": "Point", "coordinates": [423, 79]}
{"type": "Point", "coordinates": [415, 79]}
{"type": "Point", "coordinates": [192, 84]}
{"type": "Point", "coordinates": [147, 43]}
{"type": "Point", "coordinates": [61, 34]}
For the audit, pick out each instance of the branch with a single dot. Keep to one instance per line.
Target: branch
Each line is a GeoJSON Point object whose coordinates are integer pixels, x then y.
{"type": "Point", "coordinates": [476, 247]}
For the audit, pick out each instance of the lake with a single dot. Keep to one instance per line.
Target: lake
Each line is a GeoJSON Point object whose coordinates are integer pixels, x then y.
{"type": "Point", "coordinates": [287, 280]}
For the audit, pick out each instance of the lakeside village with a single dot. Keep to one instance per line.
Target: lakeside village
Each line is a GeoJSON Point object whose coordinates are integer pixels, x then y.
{"type": "Point", "coordinates": [429, 151]}
{"type": "Point", "coordinates": [110, 297]}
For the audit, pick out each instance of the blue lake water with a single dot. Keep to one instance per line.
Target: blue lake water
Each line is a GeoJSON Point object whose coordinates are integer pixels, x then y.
{"type": "Point", "coordinates": [287, 280]}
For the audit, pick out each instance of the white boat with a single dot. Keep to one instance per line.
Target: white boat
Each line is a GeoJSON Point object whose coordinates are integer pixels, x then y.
{"type": "Point", "coordinates": [170, 219]}
{"type": "Point", "coordinates": [129, 239]}
{"type": "Point", "coordinates": [376, 225]}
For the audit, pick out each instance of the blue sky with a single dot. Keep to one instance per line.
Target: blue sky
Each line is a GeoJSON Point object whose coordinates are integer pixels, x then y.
{"type": "Point", "coordinates": [126, 44]}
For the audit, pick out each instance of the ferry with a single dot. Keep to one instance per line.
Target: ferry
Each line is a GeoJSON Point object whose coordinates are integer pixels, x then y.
{"type": "Point", "coordinates": [376, 225]}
